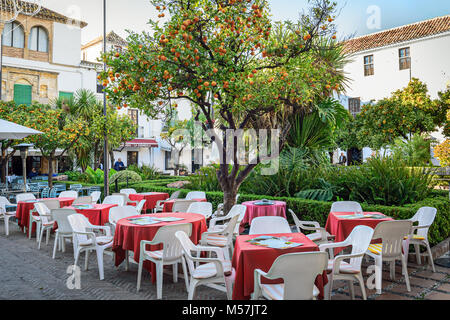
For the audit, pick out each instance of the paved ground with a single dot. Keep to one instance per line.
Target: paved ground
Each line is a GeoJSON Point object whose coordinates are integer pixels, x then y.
{"type": "Point", "coordinates": [29, 274]}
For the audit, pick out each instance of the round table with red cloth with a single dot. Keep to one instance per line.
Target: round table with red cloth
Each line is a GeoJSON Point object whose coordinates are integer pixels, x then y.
{"type": "Point", "coordinates": [98, 216]}
{"type": "Point", "coordinates": [25, 207]}
{"type": "Point", "coordinates": [254, 211]}
{"type": "Point", "coordinates": [248, 257]}
{"type": "Point", "coordinates": [341, 227]}
{"type": "Point", "coordinates": [168, 205]}
{"type": "Point", "coordinates": [151, 198]}
{"type": "Point", "coordinates": [128, 236]}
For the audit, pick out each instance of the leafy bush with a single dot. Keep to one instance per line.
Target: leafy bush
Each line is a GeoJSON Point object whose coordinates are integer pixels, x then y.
{"type": "Point", "coordinates": [125, 176]}
{"type": "Point", "coordinates": [97, 176]}
{"type": "Point", "coordinates": [73, 175]}
{"type": "Point", "coordinates": [146, 172]}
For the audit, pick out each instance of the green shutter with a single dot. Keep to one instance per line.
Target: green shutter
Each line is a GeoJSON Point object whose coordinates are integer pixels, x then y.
{"type": "Point", "coordinates": [22, 94]}
{"type": "Point", "coordinates": [66, 95]}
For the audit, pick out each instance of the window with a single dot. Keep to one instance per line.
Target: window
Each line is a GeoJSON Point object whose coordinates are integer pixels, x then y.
{"type": "Point", "coordinates": [13, 35]}
{"type": "Point", "coordinates": [132, 158]}
{"type": "Point", "coordinates": [405, 58]}
{"type": "Point", "coordinates": [368, 66]}
{"type": "Point", "coordinates": [134, 116]}
{"type": "Point", "coordinates": [354, 106]}
{"type": "Point", "coordinates": [38, 40]}
{"type": "Point", "coordinates": [168, 160]}
{"type": "Point", "coordinates": [22, 94]}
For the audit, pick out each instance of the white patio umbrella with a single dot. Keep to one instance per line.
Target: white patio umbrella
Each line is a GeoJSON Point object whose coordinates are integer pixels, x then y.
{"type": "Point", "coordinates": [13, 131]}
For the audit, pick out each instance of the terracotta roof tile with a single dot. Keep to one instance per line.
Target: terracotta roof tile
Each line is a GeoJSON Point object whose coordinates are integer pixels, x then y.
{"type": "Point", "coordinates": [44, 13]}
{"type": "Point", "coordinates": [404, 33]}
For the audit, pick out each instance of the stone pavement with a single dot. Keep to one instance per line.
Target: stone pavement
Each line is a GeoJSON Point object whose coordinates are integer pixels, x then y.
{"type": "Point", "coordinates": [29, 274]}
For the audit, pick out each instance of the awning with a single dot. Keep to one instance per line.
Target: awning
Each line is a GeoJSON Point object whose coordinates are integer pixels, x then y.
{"type": "Point", "coordinates": [142, 143]}
{"type": "Point", "coordinates": [13, 131]}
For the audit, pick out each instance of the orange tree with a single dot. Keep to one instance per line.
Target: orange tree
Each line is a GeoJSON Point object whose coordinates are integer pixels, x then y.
{"type": "Point", "coordinates": [9, 111]}
{"type": "Point", "coordinates": [61, 131]}
{"type": "Point", "coordinates": [408, 111]}
{"type": "Point", "coordinates": [233, 64]}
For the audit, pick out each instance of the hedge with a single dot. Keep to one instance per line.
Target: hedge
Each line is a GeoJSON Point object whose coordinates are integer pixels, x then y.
{"type": "Point", "coordinates": [310, 210]}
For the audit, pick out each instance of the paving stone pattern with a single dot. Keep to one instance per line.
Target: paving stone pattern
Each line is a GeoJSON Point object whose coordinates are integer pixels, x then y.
{"type": "Point", "coordinates": [31, 274]}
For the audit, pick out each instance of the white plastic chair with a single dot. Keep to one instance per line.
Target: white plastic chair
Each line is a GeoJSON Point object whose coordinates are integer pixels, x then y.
{"type": "Point", "coordinates": [119, 200]}
{"type": "Point", "coordinates": [82, 200]}
{"type": "Point", "coordinates": [196, 195]}
{"type": "Point", "coordinates": [85, 240]}
{"type": "Point", "coordinates": [140, 206]}
{"type": "Point", "coordinates": [6, 215]}
{"type": "Point", "coordinates": [319, 235]}
{"type": "Point", "coordinates": [64, 229]}
{"type": "Point", "coordinates": [46, 221]}
{"type": "Point", "coordinates": [346, 206]}
{"type": "Point", "coordinates": [96, 196]}
{"type": "Point", "coordinates": [419, 234]}
{"type": "Point", "coordinates": [126, 198]}
{"type": "Point", "coordinates": [338, 269]}
{"type": "Point", "coordinates": [298, 271]}
{"type": "Point", "coordinates": [25, 197]}
{"type": "Point", "coordinates": [182, 205]}
{"type": "Point", "coordinates": [203, 208]}
{"type": "Point", "coordinates": [128, 191]}
{"type": "Point", "coordinates": [160, 203]}
{"type": "Point", "coordinates": [392, 234]}
{"type": "Point", "coordinates": [236, 210]}
{"type": "Point", "coordinates": [50, 204]}
{"type": "Point", "coordinates": [171, 254]}
{"type": "Point", "coordinates": [68, 194]}
{"type": "Point", "coordinates": [118, 213]}
{"type": "Point", "coordinates": [269, 225]}
{"type": "Point", "coordinates": [206, 271]}
{"type": "Point", "coordinates": [222, 239]}
{"type": "Point", "coordinates": [219, 212]}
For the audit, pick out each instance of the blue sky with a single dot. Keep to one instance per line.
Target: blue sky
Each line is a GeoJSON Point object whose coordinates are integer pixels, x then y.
{"type": "Point", "coordinates": [134, 14]}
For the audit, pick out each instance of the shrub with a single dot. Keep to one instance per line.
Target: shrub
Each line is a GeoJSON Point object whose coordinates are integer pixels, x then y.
{"type": "Point", "coordinates": [73, 175]}
{"type": "Point", "coordinates": [125, 176]}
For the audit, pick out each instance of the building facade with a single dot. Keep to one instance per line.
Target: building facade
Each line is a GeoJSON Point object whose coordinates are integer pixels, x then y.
{"type": "Point", "coordinates": [41, 62]}
{"type": "Point", "coordinates": [383, 62]}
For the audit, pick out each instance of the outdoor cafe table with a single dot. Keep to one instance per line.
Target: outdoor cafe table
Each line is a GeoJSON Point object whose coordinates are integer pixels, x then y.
{"type": "Point", "coordinates": [25, 207]}
{"type": "Point", "coordinates": [168, 205]}
{"type": "Point", "coordinates": [128, 236]}
{"type": "Point", "coordinates": [341, 227]}
{"type": "Point", "coordinates": [248, 257]}
{"type": "Point", "coordinates": [253, 211]}
{"type": "Point", "coordinates": [98, 215]}
{"type": "Point", "coordinates": [151, 198]}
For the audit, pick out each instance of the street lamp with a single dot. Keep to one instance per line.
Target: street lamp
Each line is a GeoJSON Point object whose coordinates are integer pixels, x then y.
{"type": "Point", "coordinates": [105, 112]}
{"type": "Point", "coordinates": [23, 148]}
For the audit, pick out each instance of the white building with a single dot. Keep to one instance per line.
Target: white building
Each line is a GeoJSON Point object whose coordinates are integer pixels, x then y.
{"type": "Point", "coordinates": [384, 62]}
{"type": "Point", "coordinates": [148, 148]}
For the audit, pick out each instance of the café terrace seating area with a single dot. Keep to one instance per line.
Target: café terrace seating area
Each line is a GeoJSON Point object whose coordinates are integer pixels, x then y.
{"type": "Point", "coordinates": [163, 241]}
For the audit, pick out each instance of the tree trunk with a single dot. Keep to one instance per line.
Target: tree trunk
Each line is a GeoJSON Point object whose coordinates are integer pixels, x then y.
{"type": "Point", "coordinates": [50, 170]}
{"type": "Point", "coordinates": [229, 197]}
{"type": "Point", "coordinates": [111, 156]}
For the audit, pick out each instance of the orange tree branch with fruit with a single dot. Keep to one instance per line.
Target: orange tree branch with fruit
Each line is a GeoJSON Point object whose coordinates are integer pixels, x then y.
{"type": "Point", "coordinates": [233, 64]}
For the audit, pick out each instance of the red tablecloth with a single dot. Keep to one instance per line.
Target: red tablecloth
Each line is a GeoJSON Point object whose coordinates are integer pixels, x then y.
{"type": "Point", "coordinates": [24, 208]}
{"type": "Point", "coordinates": [254, 211]}
{"type": "Point", "coordinates": [151, 198]}
{"type": "Point", "coordinates": [98, 216]}
{"type": "Point", "coordinates": [128, 236]}
{"type": "Point", "coordinates": [168, 205]}
{"type": "Point", "coordinates": [248, 257]}
{"type": "Point", "coordinates": [341, 228]}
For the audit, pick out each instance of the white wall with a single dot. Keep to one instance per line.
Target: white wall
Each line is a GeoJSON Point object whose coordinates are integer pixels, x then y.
{"type": "Point", "coordinates": [429, 62]}
{"type": "Point", "coordinates": [66, 44]}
